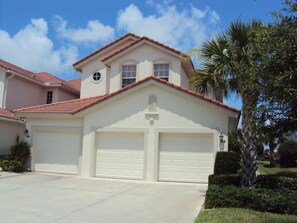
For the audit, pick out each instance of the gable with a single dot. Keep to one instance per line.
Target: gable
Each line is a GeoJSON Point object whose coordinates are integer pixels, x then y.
{"type": "Point", "coordinates": [173, 110]}
{"type": "Point", "coordinates": [144, 57]}
{"type": "Point", "coordinates": [106, 50]}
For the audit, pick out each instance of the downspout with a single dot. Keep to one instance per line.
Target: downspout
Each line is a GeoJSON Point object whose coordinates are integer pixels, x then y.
{"type": "Point", "coordinates": [5, 89]}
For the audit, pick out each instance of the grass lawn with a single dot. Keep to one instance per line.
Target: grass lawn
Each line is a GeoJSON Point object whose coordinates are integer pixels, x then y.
{"type": "Point", "coordinates": [266, 170]}
{"type": "Point", "coordinates": [236, 215]}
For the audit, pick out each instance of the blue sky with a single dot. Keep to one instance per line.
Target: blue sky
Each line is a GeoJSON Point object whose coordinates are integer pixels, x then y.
{"type": "Point", "coordinates": [50, 35]}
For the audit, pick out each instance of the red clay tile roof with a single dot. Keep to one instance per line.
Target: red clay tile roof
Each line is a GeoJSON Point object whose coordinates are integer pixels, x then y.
{"type": "Point", "coordinates": [64, 107]}
{"type": "Point", "coordinates": [75, 83]}
{"type": "Point", "coordinates": [138, 41]}
{"type": "Point", "coordinates": [7, 114]}
{"type": "Point", "coordinates": [15, 68]}
{"type": "Point", "coordinates": [42, 77]}
{"type": "Point", "coordinates": [45, 77]}
{"type": "Point", "coordinates": [77, 105]}
{"type": "Point", "coordinates": [106, 46]}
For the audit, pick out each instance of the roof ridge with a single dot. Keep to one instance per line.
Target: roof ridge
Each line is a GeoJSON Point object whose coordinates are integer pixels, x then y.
{"type": "Point", "coordinates": [8, 65]}
{"type": "Point", "coordinates": [51, 76]}
{"type": "Point", "coordinates": [106, 46]}
{"type": "Point", "coordinates": [139, 40]}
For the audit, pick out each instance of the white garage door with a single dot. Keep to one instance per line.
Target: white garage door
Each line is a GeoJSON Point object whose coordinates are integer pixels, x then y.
{"type": "Point", "coordinates": [57, 152]}
{"type": "Point", "coordinates": [186, 157]}
{"type": "Point", "coordinates": [120, 155]}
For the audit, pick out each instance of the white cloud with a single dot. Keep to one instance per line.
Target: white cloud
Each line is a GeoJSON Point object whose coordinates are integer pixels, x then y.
{"type": "Point", "coordinates": [181, 28]}
{"type": "Point", "coordinates": [30, 48]}
{"type": "Point", "coordinates": [95, 32]}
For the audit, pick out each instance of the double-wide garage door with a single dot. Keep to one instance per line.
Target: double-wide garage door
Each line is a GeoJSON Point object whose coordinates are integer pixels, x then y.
{"type": "Point", "coordinates": [185, 157]}
{"type": "Point", "coordinates": [182, 157]}
{"type": "Point", "coordinates": [57, 152]}
{"type": "Point", "coordinates": [120, 155]}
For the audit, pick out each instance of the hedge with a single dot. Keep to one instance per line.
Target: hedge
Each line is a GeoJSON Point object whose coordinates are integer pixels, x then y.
{"type": "Point", "coordinates": [11, 165]}
{"type": "Point", "coordinates": [224, 180]}
{"type": "Point", "coordinates": [288, 154]}
{"type": "Point", "coordinates": [227, 163]}
{"type": "Point", "coordinates": [276, 182]}
{"type": "Point", "coordinates": [276, 201]}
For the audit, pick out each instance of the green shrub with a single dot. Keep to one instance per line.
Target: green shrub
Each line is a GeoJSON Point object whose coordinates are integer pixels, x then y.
{"type": "Point", "coordinates": [5, 156]}
{"type": "Point", "coordinates": [224, 180]}
{"type": "Point", "coordinates": [276, 182]}
{"type": "Point", "coordinates": [227, 163]}
{"type": "Point", "coordinates": [276, 201]}
{"type": "Point", "coordinates": [288, 154]}
{"type": "Point", "coordinates": [20, 151]}
{"type": "Point", "coordinates": [11, 165]}
{"type": "Point", "coordinates": [234, 142]}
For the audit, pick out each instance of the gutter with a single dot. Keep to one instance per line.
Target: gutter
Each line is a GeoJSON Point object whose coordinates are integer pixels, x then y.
{"type": "Point", "coordinates": [5, 90]}
{"type": "Point", "coordinates": [11, 120]}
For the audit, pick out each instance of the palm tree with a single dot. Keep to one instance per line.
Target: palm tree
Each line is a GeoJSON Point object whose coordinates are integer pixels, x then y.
{"type": "Point", "coordinates": [230, 64]}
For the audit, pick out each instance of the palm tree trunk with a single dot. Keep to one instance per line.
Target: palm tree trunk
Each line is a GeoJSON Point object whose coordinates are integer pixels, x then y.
{"type": "Point", "coordinates": [249, 153]}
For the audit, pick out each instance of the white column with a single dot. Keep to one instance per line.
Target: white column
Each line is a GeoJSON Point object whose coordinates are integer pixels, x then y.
{"type": "Point", "coordinates": [151, 155]}
{"type": "Point", "coordinates": [88, 152]}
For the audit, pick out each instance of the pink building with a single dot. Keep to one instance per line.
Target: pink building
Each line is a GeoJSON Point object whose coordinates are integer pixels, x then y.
{"type": "Point", "coordinates": [22, 88]}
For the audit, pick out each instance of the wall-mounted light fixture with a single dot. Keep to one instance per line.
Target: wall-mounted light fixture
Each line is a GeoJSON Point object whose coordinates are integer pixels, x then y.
{"type": "Point", "coordinates": [222, 141]}
{"type": "Point", "coordinates": [26, 133]}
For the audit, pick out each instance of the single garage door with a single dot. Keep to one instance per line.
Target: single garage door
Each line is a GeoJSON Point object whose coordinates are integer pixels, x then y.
{"type": "Point", "coordinates": [186, 157]}
{"type": "Point", "coordinates": [57, 152]}
{"type": "Point", "coordinates": [120, 155]}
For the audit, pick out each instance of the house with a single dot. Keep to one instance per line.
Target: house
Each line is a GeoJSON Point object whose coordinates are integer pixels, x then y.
{"type": "Point", "coordinates": [22, 88]}
{"type": "Point", "coordinates": [136, 118]}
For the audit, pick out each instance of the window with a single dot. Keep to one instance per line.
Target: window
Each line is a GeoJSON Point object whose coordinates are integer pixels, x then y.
{"type": "Point", "coordinates": [128, 74]}
{"type": "Point", "coordinates": [49, 97]}
{"type": "Point", "coordinates": [96, 76]}
{"type": "Point", "coordinates": [162, 71]}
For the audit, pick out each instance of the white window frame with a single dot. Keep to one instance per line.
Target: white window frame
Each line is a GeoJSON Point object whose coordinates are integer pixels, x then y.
{"type": "Point", "coordinates": [160, 72]}
{"type": "Point", "coordinates": [128, 74]}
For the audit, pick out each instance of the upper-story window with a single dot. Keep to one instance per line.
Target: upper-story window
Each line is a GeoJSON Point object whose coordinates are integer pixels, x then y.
{"type": "Point", "coordinates": [49, 97]}
{"type": "Point", "coordinates": [162, 71]}
{"type": "Point", "coordinates": [128, 74]}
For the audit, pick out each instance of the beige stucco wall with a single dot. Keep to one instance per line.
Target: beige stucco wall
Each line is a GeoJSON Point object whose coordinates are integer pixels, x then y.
{"type": "Point", "coordinates": [51, 122]}
{"type": "Point", "coordinates": [89, 87]}
{"type": "Point", "coordinates": [184, 80]}
{"type": "Point", "coordinates": [143, 56]}
{"type": "Point", "coordinates": [129, 113]}
{"type": "Point", "coordinates": [23, 93]}
{"type": "Point", "coordinates": [8, 132]}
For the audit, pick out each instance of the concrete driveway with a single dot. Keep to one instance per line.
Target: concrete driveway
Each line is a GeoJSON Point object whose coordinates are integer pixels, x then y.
{"type": "Point", "coordinates": [38, 198]}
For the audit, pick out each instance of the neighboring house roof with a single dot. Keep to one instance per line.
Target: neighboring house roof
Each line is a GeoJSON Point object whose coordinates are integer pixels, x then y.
{"type": "Point", "coordinates": [75, 83]}
{"type": "Point", "coordinates": [43, 78]}
{"type": "Point", "coordinates": [7, 114]}
{"type": "Point", "coordinates": [77, 105]}
{"type": "Point", "coordinates": [9, 66]}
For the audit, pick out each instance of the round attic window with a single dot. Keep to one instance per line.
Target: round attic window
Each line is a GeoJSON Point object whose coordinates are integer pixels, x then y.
{"type": "Point", "coordinates": [97, 76]}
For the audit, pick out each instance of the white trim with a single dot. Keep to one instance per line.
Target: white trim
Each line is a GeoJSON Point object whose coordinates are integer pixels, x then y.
{"type": "Point", "coordinates": [92, 77]}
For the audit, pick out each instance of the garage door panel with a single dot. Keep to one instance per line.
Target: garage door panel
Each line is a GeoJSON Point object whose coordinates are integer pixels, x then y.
{"type": "Point", "coordinates": [120, 155]}
{"type": "Point", "coordinates": [185, 157]}
{"type": "Point", "coordinates": [57, 152]}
